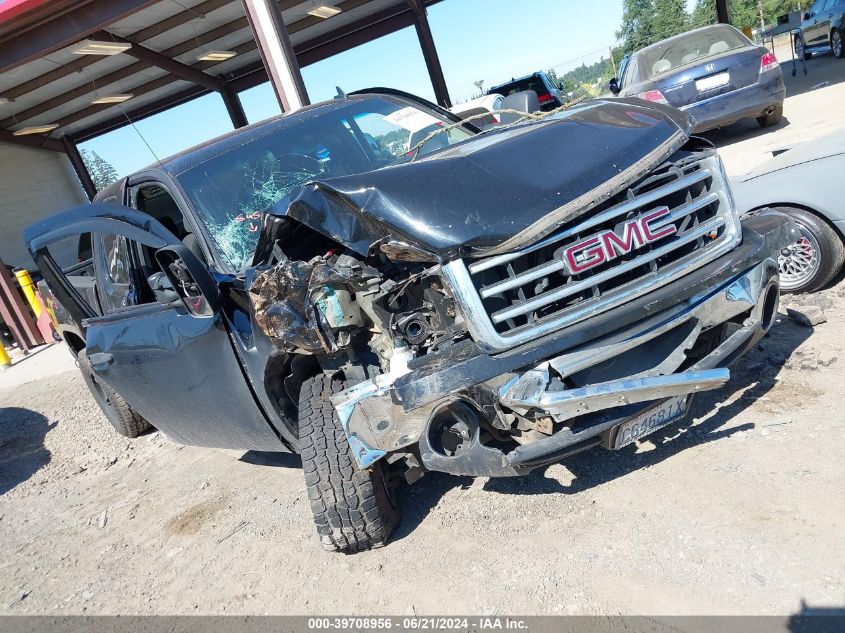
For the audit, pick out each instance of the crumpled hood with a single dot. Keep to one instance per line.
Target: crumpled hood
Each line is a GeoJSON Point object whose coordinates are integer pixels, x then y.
{"type": "Point", "coordinates": [500, 190]}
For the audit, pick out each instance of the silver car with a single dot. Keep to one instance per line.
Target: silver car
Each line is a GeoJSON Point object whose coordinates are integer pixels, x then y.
{"type": "Point", "coordinates": [803, 182]}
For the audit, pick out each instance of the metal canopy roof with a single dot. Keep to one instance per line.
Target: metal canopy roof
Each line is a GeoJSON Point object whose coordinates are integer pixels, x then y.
{"type": "Point", "coordinates": [45, 82]}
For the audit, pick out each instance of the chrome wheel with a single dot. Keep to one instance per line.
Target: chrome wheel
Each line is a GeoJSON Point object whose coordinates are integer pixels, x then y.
{"type": "Point", "coordinates": [799, 261]}
{"type": "Point", "coordinates": [836, 43]}
{"type": "Point", "coordinates": [799, 46]}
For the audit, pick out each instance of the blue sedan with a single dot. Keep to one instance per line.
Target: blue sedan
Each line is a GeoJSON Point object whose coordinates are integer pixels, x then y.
{"type": "Point", "coordinates": [715, 73]}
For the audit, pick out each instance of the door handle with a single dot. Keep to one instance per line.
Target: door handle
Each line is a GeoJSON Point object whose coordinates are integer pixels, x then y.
{"type": "Point", "coordinates": [100, 360]}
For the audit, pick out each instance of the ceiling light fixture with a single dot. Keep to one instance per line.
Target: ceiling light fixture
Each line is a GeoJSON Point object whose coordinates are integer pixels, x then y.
{"type": "Point", "coordinates": [216, 56]}
{"type": "Point", "coordinates": [93, 47]}
{"type": "Point", "coordinates": [36, 129]}
{"type": "Point", "coordinates": [120, 98]}
{"type": "Point", "coordinates": [324, 11]}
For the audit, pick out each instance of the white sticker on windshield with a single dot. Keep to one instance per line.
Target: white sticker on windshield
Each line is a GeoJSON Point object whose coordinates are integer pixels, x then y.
{"type": "Point", "coordinates": [411, 119]}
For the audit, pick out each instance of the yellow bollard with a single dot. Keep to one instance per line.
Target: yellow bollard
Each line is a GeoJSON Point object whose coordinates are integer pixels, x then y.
{"type": "Point", "coordinates": [25, 282]}
{"type": "Point", "coordinates": [5, 361]}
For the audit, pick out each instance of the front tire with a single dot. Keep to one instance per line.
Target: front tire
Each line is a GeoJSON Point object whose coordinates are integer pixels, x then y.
{"type": "Point", "coordinates": [768, 120]}
{"type": "Point", "coordinates": [798, 47]}
{"type": "Point", "coordinates": [119, 414]}
{"type": "Point", "coordinates": [352, 508]}
{"type": "Point", "coordinates": [815, 259]}
{"type": "Point", "coordinates": [836, 45]}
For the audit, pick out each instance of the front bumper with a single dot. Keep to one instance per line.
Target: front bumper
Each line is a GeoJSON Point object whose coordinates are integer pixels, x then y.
{"type": "Point", "coordinates": [730, 107]}
{"type": "Point", "coordinates": [394, 411]}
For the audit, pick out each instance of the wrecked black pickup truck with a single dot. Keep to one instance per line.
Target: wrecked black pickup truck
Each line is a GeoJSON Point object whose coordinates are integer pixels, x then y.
{"type": "Point", "coordinates": [479, 304]}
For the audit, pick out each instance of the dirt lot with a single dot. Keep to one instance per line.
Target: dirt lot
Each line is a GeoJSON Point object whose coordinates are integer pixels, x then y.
{"type": "Point", "coordinates": [738, 510]}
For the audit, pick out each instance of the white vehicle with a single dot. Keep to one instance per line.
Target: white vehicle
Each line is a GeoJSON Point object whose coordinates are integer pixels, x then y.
{"type": "Point", "coordinates": [487, 103]}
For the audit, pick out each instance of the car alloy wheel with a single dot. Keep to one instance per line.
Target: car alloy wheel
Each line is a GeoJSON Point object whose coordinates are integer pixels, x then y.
{"type": "Point", "coordinates": [836, 43]}
{"type": "Point", "coordinates": [799, 46]}
{"type": "Point", "coordinates": [799, 261]}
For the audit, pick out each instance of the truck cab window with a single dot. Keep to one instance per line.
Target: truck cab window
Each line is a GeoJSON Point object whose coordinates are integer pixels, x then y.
{"type": "Point", "coordinates": [156, 200]}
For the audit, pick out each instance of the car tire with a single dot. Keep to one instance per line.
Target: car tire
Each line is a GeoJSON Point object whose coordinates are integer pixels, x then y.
{"type": "Point", "coordinates": [815, 259]}
{"type": "Point", "coordinates": [798, 47]}
{"type": "Point", "coordinates": [353, 509]}
{"type": "Point", "coordinates": [119, 414]}
{"type": "Point", "coordinates": [768, 120]}
{"type": "Point", "coordinates": [837, 46]}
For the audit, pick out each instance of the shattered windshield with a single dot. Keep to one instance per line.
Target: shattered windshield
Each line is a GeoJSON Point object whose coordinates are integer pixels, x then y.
{"type": "Point", "coordinates": [232, 191]}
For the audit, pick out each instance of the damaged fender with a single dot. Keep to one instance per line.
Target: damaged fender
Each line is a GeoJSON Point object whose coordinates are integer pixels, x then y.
{"type": "Point", "coordinates": [299, 304]}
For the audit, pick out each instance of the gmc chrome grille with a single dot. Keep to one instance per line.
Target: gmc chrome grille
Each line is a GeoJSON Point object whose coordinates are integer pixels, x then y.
{"type": "Point", "coordinates": [516, 297]}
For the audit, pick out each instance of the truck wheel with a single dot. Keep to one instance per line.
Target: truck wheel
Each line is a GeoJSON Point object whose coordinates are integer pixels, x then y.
{"type": "Point", "coordinates": [768, 120]}
{"type": "Point", "coordinates": [352, 508]}
{"type": "Point", "coordinates": [812, 262]}
{"type": "Point", "coordinates": [800, 51]}
{"type": "Point", "coordinates": [836, 44]}
{"type": "Point", "coordinates": [119, 414]}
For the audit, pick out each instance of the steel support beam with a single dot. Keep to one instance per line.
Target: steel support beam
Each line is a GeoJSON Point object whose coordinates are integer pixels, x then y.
{"type": "Point", "coordinates": [137, 114]}
{"type": "Point", "coordinates": [138, 36]}
{"type": "Point", "coordinates": [177, 69]}
{"type": "Point", "coordinates": [15, 312]}
{"type": "Point", "coordinates": [86, 17]}
{"type": "Point", "coordinates": [723, 12]}
{"type": "Point", "coordinates": [233, 106]}
{"type": "Point", "coordinates": [80, 167]}
{"type": "Point", "coordinates": [271, 34]}
{"type": "Point", "coordinates": [429, 50]}
{"type": "Point", "coordinates": [35, 141]}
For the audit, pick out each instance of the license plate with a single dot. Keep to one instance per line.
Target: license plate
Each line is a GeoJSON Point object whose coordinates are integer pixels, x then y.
{"type": "Point", "coordinates": [714, 81]}
{"type": "Point", "coordinates": [649, 421]}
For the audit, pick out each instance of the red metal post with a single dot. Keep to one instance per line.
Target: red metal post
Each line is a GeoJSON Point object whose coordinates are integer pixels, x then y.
{"type": "Point", "coordinates": [15, 313]}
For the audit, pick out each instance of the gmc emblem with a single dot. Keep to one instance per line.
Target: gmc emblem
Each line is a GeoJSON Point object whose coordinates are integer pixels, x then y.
{"type": "Point", "coordinates": [608, 245]}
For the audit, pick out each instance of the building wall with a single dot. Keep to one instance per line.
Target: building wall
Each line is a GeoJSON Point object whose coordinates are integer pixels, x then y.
{"type": "Point", "coordinates": [34, 183]}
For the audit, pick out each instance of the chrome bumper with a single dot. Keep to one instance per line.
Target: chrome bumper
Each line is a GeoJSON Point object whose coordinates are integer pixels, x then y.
{"type": "Point", "coordinates": [377, 424]}
{"type": "Point", "coordinates": [529, 392]}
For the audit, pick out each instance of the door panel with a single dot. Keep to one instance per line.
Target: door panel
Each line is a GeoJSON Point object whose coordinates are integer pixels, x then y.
{"type": "Point", "coordinates": [826, 22]}
{"type": "Point", "coordinates": [813, 31]}
{"type": "Point", "coordinates": [177, 370]}
{"type": "Point", "coordinates": [180, 372]}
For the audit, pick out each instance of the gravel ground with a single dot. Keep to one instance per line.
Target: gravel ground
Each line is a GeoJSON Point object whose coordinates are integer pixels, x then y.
{"type": "Point", "coordinates": [737, 510]}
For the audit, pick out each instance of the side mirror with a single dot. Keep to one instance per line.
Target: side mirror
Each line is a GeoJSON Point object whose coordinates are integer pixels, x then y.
{"type": "Point", "coordinates": [806, 15]}
{"type": "Point", "coordinates": [190, 279]}
{"type": "Point", "coordinates": [162, 288]}
{"type": "Point", "coordinates": [560, 85]}
{"type": "Point", "coordinates": [613, 84]}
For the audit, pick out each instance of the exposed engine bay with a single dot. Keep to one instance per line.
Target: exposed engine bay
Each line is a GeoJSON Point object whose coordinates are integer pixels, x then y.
{"type": "Point", "coordinates": [336, 301]}
{"type": "Point", "coordinates": [451, 390]}
{"type": "Point", "coordinates": [474, 348]}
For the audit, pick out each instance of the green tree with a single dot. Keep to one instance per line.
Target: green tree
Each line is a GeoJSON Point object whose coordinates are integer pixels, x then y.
{"type": "Point", "coordinates": [703, 13]}
{"type": "Point", "coordinates": [744, 12]}
{"type": "Point", "coordinates": [102, 172]}
{"type": "Point", "coordinates": [669, 18]}
{"type": "Point", "coordinates": [635, 31]}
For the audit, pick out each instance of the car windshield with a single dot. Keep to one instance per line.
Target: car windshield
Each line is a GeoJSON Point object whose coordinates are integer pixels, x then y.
{"type": "Point", "coordinates": [529, 83]}
{"type": "Point", "coordinates": [686, 49]}
{"type": "Point", "coordinates": [233, 190]}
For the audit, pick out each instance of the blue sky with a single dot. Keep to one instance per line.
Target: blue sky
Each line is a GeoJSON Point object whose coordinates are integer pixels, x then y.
{"type": "Point", "coordinates": [492, 40]}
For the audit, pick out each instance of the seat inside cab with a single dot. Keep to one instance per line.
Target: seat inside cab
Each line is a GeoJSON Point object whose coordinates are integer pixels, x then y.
{"type": "Point", "coordinates": [156, 201]}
